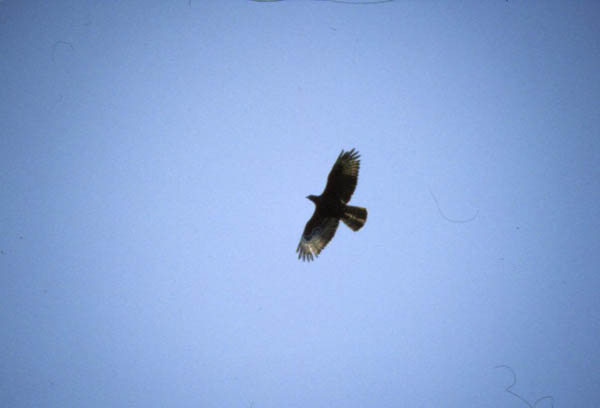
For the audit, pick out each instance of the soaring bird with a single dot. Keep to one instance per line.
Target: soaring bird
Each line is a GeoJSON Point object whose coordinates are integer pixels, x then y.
{"type": "Point", "coordinates": [332, 206]}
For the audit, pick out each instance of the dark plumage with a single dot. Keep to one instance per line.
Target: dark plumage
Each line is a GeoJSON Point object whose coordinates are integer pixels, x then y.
{"type": "Point", "coordinates": [331, 207]}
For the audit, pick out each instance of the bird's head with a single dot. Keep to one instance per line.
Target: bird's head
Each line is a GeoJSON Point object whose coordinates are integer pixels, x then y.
{"type": "Point", "coordinates": [313, 198]}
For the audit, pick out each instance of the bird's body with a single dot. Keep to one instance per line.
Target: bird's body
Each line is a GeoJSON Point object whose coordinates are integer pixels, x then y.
{"type": "Point", "coordinates": [327, 207]}
{"type": "Point", "coordinates": [331, 207]}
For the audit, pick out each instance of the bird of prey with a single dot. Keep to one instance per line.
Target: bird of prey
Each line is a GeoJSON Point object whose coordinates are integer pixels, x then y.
{"type": "Point", "coordinates": [331, 207]}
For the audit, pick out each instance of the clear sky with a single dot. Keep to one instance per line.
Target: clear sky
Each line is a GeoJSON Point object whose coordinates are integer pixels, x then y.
{"type": "Point", "coordinates": [154, 162]}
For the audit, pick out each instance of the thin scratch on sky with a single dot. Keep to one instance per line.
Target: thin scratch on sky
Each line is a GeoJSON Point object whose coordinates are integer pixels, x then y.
{"type": "Point", "coordinates": [444, 216]}
{"type": "Point", "coordinates": [358, 2]}
{"type": "Point", "coordinates": [511, 392]}
{"type": "Point", "coordinates": [57, 43]}
{"type": "Point", "coordinates": [337, 1]}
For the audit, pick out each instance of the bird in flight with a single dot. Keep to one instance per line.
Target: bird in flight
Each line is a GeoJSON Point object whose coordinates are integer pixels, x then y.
{"type": "Point", "coordinates": [331, 207]}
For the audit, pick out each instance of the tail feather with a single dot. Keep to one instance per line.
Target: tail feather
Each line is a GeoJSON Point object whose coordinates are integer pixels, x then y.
{"type": "Point", "coordinates": [355, 217]}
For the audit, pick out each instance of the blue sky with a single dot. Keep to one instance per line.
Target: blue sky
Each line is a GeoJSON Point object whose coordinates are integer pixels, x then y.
{"type": "Point", "coordinates": [155, 158]}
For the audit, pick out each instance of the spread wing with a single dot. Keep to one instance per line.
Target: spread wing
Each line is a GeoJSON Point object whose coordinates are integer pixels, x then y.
{"type": "Point", "coordinates": [343, 176]}
{"type": "Point", "coordinates": [317, 233]}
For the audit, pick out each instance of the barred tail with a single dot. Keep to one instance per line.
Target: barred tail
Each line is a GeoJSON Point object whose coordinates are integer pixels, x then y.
{"type": "Point", "coordinates": [355, 217]}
